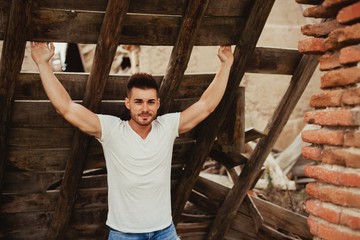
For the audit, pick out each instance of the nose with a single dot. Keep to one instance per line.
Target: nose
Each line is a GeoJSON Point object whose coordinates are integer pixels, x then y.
{"type": "Point", "coordinates": [145, 107]}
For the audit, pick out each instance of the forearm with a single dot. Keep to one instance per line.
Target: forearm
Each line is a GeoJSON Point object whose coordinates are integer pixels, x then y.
{"type": "Point", "coordinates": [214, 93]}
{"type": "Point", "coordinates": [55, 91]}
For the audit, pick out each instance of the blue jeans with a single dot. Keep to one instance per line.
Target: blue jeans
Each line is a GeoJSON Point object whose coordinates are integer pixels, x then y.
{"type": "Point", "coordinates": [168, 233]}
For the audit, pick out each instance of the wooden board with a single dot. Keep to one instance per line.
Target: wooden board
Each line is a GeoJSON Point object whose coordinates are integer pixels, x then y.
{"type": "Point", "coordinates": [166, 7]}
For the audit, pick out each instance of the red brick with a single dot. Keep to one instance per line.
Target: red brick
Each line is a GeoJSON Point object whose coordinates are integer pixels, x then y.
{"type": "Point", "coordinates": [320, 12]}
{"type": "Point", "coordinates": [348, 197]}
{"type": "Point", "coordinates": [332, 41]}
{"type": "Point", "coordinates": [312, 153]}
{"type": "Point", "coordinates": [351, 97]}
{"type": "Point", "coordinates": [349, 54]}
{"type": "Point", "coordinates": [320, 29]}
{"type": "Point", "coordinates": [334, 117]}
{"type": "Point", "coordinates": [327, 98]}
{"type": "Point", "coordinates": [323, 136]}
{"type": "Point", "coordinates": [349, 217]}
{"type": "Point", "coordinates": [329, 61]}
{"type": "Point", "coordinates": [317, 208]}
{"type": "Point", "coordinates": [334, 175]}
{"type": "Point", "coordinates": [349, 13]}
{"type": "Point", "coordinates": [329, 231]}
{"type": "Point", "coordinates": [312, 46]}
{"type": "Point", "coordinates": [352, 139]}
{"type": "Point", "coordinates": [349, 33]}
{"type": "Point", "coordinates": [341, 77]}
{"type": "Point", "coordinates": [348, 157]}
{"type": "Point", "coordinates": [334, 3]}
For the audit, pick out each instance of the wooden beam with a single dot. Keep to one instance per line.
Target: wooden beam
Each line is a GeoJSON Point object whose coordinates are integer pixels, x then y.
{"type": "Point", "coordinates": [181, 52]}
{"type": "Point", "coordinates": [211, 194]}
{"type": "Point", "coordinates": [208, 129]}
{"type": "Point", "coordinates": [104, 55]}
{"type": "Point", "coordinates": [250, 171]}
{"type": "Point", "coordinates": [10, 65]}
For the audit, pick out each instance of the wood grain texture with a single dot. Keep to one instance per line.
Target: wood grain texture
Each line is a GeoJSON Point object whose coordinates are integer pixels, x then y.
{"type": "Point", "coordinates": [10, 65]}
{"type": "Point", "coordinates": [181, 52]}
{"type": "Point", "coordinates": [104, 54]}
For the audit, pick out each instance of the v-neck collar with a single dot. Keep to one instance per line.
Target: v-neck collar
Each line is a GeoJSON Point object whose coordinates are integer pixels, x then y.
{"type": "Point", "coordinates": [137, 135]}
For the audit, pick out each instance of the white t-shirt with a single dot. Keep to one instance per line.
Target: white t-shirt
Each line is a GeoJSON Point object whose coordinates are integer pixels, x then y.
{"type": "Point", "coordinates": [139, 173]}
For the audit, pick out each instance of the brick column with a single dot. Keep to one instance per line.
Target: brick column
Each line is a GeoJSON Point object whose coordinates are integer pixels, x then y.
{"type": "Point", "coordinates": [334, 204]}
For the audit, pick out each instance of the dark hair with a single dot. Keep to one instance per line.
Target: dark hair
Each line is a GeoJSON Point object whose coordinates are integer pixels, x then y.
{"type": "Point", "coordinates": [142, 81]}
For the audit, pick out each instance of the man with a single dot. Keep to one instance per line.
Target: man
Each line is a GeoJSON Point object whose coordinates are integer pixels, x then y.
{"type": "Point", "coordinates": [138, 152]}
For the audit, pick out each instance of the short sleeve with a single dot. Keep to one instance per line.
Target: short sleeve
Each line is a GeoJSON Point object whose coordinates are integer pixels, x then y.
{"type": "Point", "coordinates": [172, 120]}
{"type": "Point", "coordinates": [107, 123]}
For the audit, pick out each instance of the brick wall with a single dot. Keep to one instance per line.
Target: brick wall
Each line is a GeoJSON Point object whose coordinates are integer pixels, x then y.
{"type": "Point", "coordinates": [334, 203]}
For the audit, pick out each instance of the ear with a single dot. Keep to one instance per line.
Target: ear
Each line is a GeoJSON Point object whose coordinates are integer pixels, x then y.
{"type": "Point", "coordinates": [158, 103]}
{"type": "Point", "coordinates": [127, 103]}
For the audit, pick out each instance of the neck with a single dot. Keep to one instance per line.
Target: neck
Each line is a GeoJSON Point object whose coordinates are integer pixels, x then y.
{"type": "Point", "coordinates": [142, 131]}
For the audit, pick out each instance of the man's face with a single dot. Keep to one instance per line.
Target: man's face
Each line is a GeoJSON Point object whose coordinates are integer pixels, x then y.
{"type": "Point", "coordinates": [143, 105]}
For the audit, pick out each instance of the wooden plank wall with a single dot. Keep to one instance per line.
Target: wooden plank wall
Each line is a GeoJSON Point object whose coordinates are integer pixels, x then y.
{"type": "Point", "coordinates": [39, 140]}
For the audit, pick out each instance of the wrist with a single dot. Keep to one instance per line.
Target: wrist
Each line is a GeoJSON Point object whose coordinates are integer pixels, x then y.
{"type": "Point", "coordinates": [226, 64]}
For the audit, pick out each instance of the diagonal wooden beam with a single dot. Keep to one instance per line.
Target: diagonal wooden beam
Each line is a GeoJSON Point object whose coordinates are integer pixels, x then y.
{"type": "Point", "coordinates": [251, 170]}
{"type": "Point", "coordinates": [10, 65]}
{"type": "Point", "coordinates": [105, 51]}
{"type": "Point", "coordinates": [207, 131]}
{"type": "Point", "coordinates": [181, 52]}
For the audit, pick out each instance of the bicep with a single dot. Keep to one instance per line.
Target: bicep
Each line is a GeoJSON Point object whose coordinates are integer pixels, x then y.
{"type": "Point", "coordinates": [192, 116]}
{"type": "Point", "coordinates": [84, 119]}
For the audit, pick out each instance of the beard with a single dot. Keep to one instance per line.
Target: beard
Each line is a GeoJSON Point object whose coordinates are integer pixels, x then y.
{"type": "Point", "coordinates": [143, 118]}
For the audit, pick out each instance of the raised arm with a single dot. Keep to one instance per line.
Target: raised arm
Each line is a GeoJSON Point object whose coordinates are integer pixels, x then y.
{"type": "Point", "coordinates": [75, 113]}
{"type": "Point", "coordinates": [209, 100]}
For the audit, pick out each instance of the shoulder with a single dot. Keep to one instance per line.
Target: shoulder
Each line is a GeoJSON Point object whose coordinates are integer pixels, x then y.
{"type": "Point", "coordinates": [169, 117]}
{"type": "Point", "coordinates": [109, 120]}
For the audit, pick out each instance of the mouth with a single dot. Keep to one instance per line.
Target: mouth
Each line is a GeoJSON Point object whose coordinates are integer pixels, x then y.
{"type": "Point", "coordinates": [144, 115]}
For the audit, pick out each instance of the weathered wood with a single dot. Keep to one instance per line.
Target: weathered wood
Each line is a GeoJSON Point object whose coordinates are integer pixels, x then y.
{"type": "Point", "coordinates": [273, 61]}
{"type": "Point", "coordinates": [231, 137]}
{"type": "Point", "coordinates": [105, 51]}
{"type": "Point", "coordinates": [53, 158]}
{"type": "Point", "coordinates": [40, 138]}
{"type": "Point", "coordinates": [138, 29]}
{"type": "Point", "coordinates": [165, 7]}
{"type": "Point", "coordinates": [34, 114]}
{"type": "Point", "coordinates": [10, 65]}
{"type": "Point", "coordinates": [208, 129]}
{"type": "Point", "coordinates": [252, 134]}
{"type": "Point", "coordinates": [19, 222]}
{"type": "Point", "coordinates": [181, 52]}
{"type": "Point", "coordinates": [29, 182]}
{"type": "Point", "coordinates": [45, 201]}
{"type": "Point", "coordinates": [229, 160]}
{"type": "Point", "coordinates": [249, 173]}
{"type": "Point", "coordinates": [272, 214]}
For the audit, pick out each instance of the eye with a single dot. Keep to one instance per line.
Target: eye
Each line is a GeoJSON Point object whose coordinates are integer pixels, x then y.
{"type": "Point", "coordinates": [152, 102]}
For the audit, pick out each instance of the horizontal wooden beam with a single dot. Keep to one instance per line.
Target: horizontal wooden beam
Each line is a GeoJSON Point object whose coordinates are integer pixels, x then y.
{"type": "Point", "coordinates": [263, 61]}
{"type": "Point", "coordinates": [164, 7]}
